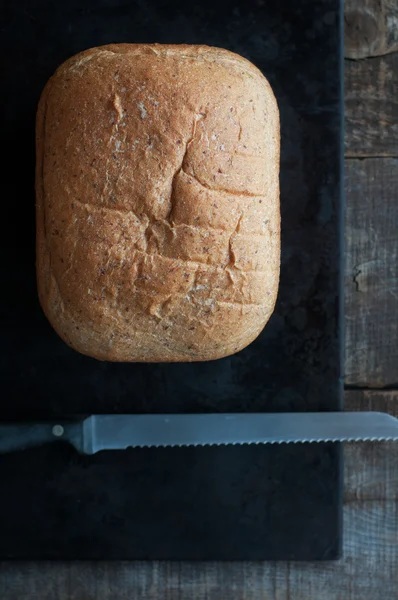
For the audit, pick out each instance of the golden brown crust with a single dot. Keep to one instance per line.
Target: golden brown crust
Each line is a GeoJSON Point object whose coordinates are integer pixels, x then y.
{"type": "Point", "coordinates": [158, 227]}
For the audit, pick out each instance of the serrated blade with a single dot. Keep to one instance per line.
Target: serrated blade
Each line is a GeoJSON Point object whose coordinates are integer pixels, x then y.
{"type": "Point", "coordinates": [117, 432]}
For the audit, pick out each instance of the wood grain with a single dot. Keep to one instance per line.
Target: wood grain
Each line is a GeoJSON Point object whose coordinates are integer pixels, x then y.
{"type": "Point", "coordinates": [371, 107]}
{"type": "Point", "coordinates": [371, 275]}
{"type": "Point", "coordinates": [371, 27]}
{"type": "Point", "coordinates": [376, 475]}
{"type": "Point", "coordinates": [367, 571]}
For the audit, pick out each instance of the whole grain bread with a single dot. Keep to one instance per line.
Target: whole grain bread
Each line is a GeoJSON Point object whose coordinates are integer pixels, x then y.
{"type": "Point", "coordinates": [158, 222]}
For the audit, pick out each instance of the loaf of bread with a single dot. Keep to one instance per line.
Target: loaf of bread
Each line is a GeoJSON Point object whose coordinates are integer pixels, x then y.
{"type": "Point", "coordinates": [158, 222]}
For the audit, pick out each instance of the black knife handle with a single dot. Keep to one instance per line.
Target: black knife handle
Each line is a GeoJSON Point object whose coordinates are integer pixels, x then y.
{"type": "Point", "coordinates": [21, 436]}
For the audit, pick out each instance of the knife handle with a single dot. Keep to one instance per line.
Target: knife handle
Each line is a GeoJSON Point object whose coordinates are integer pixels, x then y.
{"type": "Point", "coordinates": [21, 436]}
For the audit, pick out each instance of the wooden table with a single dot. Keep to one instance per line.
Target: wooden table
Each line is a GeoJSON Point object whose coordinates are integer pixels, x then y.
{"type": "Point", "coordinates": [369, 569]}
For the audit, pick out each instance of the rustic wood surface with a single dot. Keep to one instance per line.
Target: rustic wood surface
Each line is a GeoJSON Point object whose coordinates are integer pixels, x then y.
{"type": "Point", "coordinates": [371, 27]}
{"type": "Point", "coordinates": [368, 570]}
{"type": "Point", "coordinates": [371, 282]}
{"type": "Point", "coordinates": [371, 107]}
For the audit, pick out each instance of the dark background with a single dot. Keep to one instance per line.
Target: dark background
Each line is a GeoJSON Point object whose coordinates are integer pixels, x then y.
{"type": "Point", "coordinates": [191, 503]}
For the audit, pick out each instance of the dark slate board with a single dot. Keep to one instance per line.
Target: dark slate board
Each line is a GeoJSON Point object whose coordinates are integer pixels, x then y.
{"type": "Point", "coordinates": [211, 503]}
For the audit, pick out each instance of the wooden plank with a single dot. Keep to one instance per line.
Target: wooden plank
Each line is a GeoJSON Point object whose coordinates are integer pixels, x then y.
{"type": "Point", "coordinates": [371, 472]}
{"type": "Point", "coordinates": [373, 400]}
{"type": "Point", "coordinates": [371, 276]}
{"type": "Point", "coordinates": [370, 27]}
{"type": "Point", "coordinates": [371, 107]}
{"type": "Point", "coordinates": [367, 571]}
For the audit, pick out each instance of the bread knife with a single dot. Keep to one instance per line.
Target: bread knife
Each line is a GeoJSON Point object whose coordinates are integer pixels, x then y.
{"type": "Point", "coordinates": [118, 432]}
